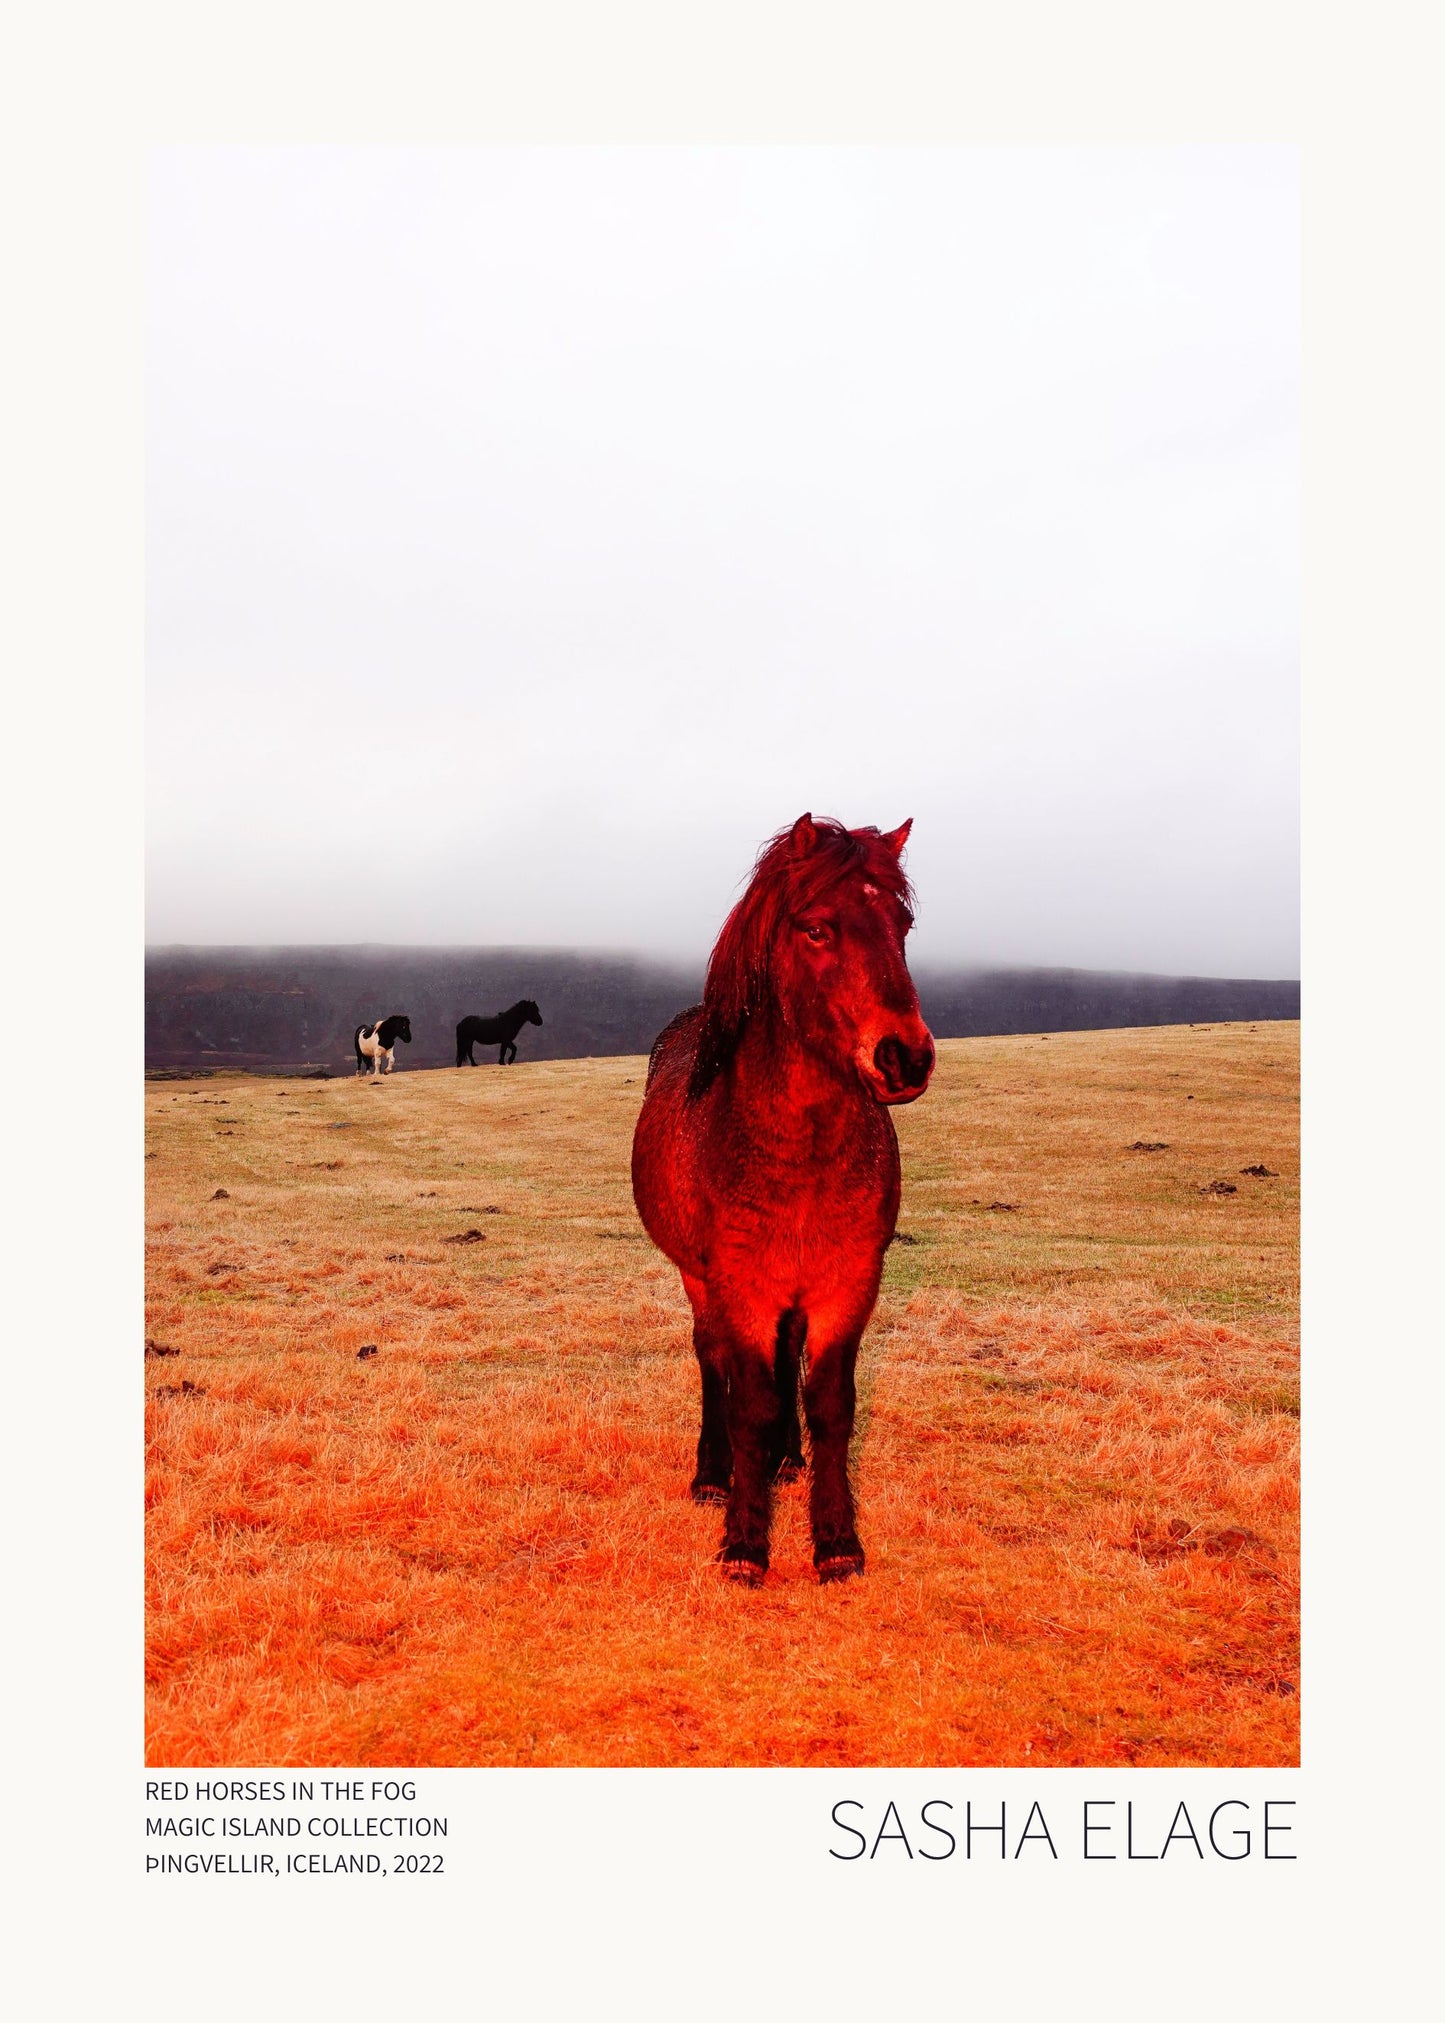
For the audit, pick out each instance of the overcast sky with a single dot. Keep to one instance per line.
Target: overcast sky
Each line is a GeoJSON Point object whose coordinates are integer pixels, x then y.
{"type": "Point", "coordinates": [531, 533]}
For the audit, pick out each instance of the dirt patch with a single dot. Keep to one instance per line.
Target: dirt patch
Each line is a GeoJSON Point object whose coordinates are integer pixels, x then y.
{"type": "Point", "coordinates": [184, 1389]}
{"type": "Point", "coordinates": [1219, 1187]}
{"type": "Point", "coordinates": [1259, 1172]}
{"type": "Point", "coordinates": [1226, 1541]}
{"type": "Point", "coordinates": [159, 1349]}
{"type": "Point", "coordinates": [1148, 1145]}
{"type": "Point", "coordinates": [220, 1195]}
{"type": "Point", "coordinates": [466, 1236]}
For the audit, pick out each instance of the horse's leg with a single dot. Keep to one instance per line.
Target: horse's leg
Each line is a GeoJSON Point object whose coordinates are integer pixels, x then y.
{"type": "Point", "coordinates": [754, 1412]}
{"type": "Point", "coordinates": [747, 1331]}
{"type": "Point", "coordinates": [788, 1461]}
{"type": "Point", "coordinates": [714, 1449]}
{"type": "Point", "coordinates": [829, 1399]}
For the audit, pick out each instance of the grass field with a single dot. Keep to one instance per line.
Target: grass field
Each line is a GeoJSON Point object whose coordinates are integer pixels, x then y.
{"type": "Point", "coordinates": [1076, 1456]}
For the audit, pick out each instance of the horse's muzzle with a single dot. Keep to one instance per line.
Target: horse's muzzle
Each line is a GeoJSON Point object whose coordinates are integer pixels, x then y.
{"type": "Point", "coordinates": [900, 1072]}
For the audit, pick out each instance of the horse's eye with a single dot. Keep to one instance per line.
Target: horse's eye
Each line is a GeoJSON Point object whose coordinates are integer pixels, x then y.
{"type": "Point", "coordinates": [818, 933]}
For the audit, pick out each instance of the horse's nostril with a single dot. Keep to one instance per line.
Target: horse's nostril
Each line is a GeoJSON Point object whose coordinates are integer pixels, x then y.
{"type": "Point", "coordinates": [903, 1067]}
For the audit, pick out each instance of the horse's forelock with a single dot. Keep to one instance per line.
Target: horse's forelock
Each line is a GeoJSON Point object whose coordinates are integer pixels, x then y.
{"type": "Point", "coordinates": [786, 882]}
{"type": "Point", "coordinates": [837, 853]}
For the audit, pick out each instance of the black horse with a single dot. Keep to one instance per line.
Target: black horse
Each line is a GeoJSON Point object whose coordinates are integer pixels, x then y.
{"type": "Point", "coordinates": [504, 1027]}
{"type": "Point", "coordinates": [377, 1043]}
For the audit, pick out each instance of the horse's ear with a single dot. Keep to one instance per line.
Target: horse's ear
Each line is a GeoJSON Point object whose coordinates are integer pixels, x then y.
{"type": "Point", "coordinates": [803, 837]}
{"type": "Point", "coordinates": [896, 838]}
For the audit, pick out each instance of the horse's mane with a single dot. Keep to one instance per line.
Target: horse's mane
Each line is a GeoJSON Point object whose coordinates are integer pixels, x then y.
{"type": "Point", "coordinates": [788, 878]}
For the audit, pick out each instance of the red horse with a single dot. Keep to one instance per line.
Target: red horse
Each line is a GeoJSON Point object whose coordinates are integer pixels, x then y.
{"type": "Point", "coordinates": [765, 1165]}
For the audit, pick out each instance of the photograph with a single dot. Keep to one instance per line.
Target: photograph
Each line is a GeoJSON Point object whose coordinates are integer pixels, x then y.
{"type": "Point", "coordinates": [722, 802]}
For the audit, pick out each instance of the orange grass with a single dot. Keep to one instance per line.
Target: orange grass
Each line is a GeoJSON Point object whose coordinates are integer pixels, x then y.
{"type": "Point", "coordinates": [1076, 1454]}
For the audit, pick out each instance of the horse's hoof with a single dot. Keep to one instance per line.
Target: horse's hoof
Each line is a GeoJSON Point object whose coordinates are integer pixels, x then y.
{"type": "Point", "coordinates": [790, 1469]}
{"type": "Point", "coordinates": [709, 1492]}
{"type": "Point", "coordinates": [735, 1565]}
{"type": "Point", "coordinates": [839, 1566]}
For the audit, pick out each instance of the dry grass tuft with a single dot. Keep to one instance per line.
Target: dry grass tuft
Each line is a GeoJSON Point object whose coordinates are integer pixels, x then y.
{"type": "Point", "coordinates": [1076, 1457]}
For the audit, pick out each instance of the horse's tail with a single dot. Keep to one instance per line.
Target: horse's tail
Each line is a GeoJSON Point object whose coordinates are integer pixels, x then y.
{"type": "Point", "coordinates": [462, 1048]}
{"type": "Point", "coordinates": [356, 1042]}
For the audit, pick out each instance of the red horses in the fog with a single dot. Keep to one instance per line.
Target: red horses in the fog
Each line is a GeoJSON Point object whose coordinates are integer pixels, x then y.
{"type": "Point", "coordinates": [765, 1165]}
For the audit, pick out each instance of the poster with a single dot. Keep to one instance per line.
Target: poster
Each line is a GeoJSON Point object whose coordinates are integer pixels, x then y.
{"type": "Point", "coordinates": [447, 1606]}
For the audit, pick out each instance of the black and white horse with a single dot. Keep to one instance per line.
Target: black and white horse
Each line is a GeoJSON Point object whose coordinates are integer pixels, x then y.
{"type": "Point", "coordinates": [504, 1027]}
{"type": "Point", "coordinates": [377, 1043]}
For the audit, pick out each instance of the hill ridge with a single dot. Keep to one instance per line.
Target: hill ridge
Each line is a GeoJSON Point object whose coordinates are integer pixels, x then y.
{"type": "Point", "coordinates": [285, 1007]}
